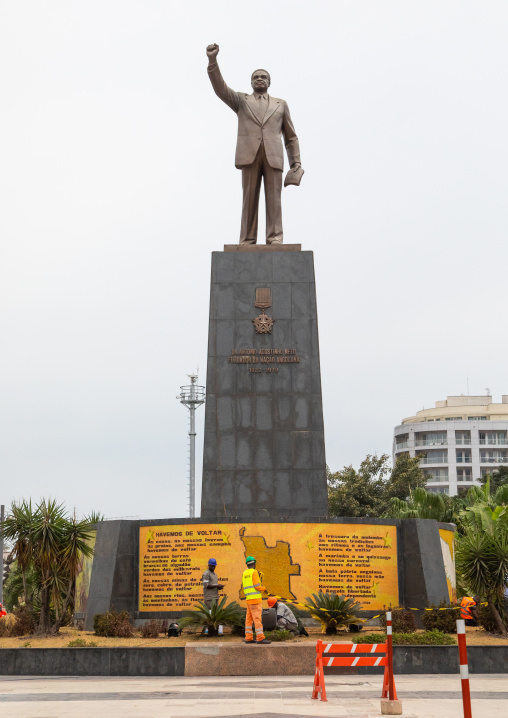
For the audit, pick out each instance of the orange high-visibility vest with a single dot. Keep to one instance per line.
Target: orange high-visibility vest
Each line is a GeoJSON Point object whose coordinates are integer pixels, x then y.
{"type": "Point", "coordinates": [465, 604]}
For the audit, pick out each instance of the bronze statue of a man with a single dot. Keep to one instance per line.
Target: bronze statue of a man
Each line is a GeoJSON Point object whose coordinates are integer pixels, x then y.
{"type": "Point", "coordinates": [259, 153]}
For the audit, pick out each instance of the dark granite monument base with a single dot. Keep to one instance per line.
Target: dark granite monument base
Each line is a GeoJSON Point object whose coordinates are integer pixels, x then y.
{"type": "Point", "coordinates": [115, 573]}
{"type": "Point", "coordinates": [264, 452]}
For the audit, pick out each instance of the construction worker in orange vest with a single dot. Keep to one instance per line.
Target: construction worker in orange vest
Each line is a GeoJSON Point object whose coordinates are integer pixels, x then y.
{"type": "Point", "coordinates": [468, 611]}
{"type": "Point", "coordinates": [253, 590]}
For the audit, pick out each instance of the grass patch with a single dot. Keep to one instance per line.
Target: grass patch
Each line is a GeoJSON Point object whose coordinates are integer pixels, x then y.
{"type": "Point", "coordinates": [81, 643]}
{"type": "Point", "coordinates": [279, 635]}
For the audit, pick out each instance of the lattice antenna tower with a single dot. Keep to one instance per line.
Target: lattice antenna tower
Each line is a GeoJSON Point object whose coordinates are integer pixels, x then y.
{"type": "Point", "coordinates": [192, 396]}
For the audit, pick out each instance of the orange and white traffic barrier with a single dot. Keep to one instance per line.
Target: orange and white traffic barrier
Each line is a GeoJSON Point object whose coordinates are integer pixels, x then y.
{"type": "Point", "coordinates": [464, 669]}
{"type": "Point", "coordinates": [357, 654]}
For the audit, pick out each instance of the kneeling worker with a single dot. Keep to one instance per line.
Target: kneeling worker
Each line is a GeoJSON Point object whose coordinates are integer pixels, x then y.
{"type": "Point", "coordinates": [468, 610]}
{"type": "Point", "coordinates": [286, 619]}
{"type": "Point", "coordinates": [253, 590]}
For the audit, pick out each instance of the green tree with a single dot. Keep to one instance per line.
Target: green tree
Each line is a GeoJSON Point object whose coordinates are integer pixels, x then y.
{"type": "Point", "coordinates": [406, 476]}
{"type": "Point", "coordinates": [359, 493]}
{"type": "Point", "coordinates": [368, 491]}
{"type": "Point", "coordinates": [498, 478]}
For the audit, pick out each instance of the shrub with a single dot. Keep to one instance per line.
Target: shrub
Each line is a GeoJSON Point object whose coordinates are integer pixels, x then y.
{"type": "Point", "coordinates": [369, 638]}
{"type": "Point", "coordinates": [486, 619]}
{"type": "Point", "coordinates": [112, 624]}
{"type": "Point", "coordinates": [279, 635]}
{"type": "Point", "coordinates": [427, 638]}
{"type": "Point", "coordinates": [81, 643]}
{"type": "Point", "coordinates": [6, 624]}
{"type": "Point", "coordinates": [152, 628]}
{"type": "Point", "coordinates": [24, 623]}
{"type": "Point", "coordinates": [403, 620]}
{"type": "Point", "coordinates": [444, 621]}
{"type": "Point", "coordinates": [333, 611]}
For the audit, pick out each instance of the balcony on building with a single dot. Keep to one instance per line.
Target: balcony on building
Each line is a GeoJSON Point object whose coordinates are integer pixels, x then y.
{"type": "Point", "coordinates": [493, 438]}
{"type": "Point", "coordinates": [463, 438]}
{"type": "Point", "coordinates": [493, 456]}
{"type": "Point", "coordinates": [433, 457]}
{"type": "Point", "coordinates": [431, 438]}
{"type": "Point", "coordinates": [436, 476]}
{"type": "Point", "coordinates": [463, 456]}
{"type": "Point", "coordinates": [401, 442]}
{"type": "Point", "coordinates": [464, 474]}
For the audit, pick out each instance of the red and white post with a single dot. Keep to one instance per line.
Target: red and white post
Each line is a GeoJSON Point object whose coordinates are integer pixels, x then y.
{"type": "Point", "coordinates": [391, 705]}
{"type": "Point", "coordinates": [464, 669]}
{"type": "Point", "coordinates": [389, 654]}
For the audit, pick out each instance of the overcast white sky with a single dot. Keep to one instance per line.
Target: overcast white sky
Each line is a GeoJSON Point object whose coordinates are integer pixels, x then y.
{"type": "Point", "coordinates": [117, 181]}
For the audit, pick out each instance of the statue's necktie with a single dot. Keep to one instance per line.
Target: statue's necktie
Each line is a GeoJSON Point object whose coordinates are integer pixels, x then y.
{"type": "Point", "coordinates": [261, 108]}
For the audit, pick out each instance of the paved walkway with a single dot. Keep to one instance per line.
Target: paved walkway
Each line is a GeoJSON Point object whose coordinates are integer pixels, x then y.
{"type": "Point", "coordinates": [422, 697]}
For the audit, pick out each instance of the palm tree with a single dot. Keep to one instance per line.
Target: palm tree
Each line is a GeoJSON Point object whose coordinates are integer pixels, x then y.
{"type": "Point", "coordinates": [482, 551]}
{"type": "Point", "coordinates": [333, 611]}
{"type": "Point", "coordinates": [423, 504]}
{"type": "Point", "coordinates": [231, 615]}
{"type": "Point", "coordinates": [17, 528]}
{"type": "Point", "coordinates": [47, 539]}
{"type": "Point", "coordinates": [76, 536]}
{"type": "Point", "coordinates": [48, 546]}
{"type": "Point", "coordinates": [482, 562]}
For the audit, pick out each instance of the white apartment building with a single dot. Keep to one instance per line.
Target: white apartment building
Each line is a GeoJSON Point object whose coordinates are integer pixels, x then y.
{"type": "Point", "coordinates": [458, 442]}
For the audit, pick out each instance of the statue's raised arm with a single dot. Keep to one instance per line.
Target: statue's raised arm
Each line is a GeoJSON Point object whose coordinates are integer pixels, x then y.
{"type": "Point", "coordinates": [262, 121]}
{"type": "Point", "coordinates": [226, 94]}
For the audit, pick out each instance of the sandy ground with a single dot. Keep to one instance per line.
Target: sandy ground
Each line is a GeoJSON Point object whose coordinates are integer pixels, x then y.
{"type": "Point", "coordinates": [475, 637]}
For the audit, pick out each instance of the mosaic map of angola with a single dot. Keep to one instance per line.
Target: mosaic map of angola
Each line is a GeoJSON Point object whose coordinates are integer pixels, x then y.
{"type": "Point", "coordinates": [273, 562]}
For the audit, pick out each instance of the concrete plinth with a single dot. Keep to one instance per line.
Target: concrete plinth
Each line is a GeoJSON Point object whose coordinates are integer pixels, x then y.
{"type": "Point", "coordinates": [239, 659]}
{"type": "Point", "coordinates": [391, 708]}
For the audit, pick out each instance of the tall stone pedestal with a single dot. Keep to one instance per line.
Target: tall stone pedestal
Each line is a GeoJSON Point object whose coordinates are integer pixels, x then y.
{"type": "Point", "coordinates": [264, 454]}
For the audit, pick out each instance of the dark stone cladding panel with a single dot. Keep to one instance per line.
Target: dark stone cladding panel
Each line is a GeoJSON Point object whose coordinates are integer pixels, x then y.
{"type": "Point", "coordinates": [424, 572]}
{"type": "Point", "coordinates": [168, 661]}
{"type": "Point", "coordinates": [264, 451]}
{"type": "Point", "coordinates": [114, 574]}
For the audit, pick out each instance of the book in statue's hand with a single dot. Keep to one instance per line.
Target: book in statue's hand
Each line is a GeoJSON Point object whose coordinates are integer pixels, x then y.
{"type": "Point", "coordinates": [294, 177]}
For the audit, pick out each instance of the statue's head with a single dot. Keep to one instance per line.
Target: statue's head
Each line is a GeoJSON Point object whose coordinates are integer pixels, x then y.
{"type": "Point", "coordinates": [260, 80]}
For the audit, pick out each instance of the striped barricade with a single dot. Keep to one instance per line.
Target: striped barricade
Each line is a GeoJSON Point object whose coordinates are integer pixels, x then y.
{"type": "Point", "coordinates": [351, 655]}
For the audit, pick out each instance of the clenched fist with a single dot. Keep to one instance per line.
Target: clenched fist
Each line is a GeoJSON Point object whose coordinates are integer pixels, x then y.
{"type": "Point", "coordinates": [212, 51]}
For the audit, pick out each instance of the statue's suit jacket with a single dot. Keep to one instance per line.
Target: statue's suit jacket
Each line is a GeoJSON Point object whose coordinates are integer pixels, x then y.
{"type": "Point", "coordinates": [251, 132]}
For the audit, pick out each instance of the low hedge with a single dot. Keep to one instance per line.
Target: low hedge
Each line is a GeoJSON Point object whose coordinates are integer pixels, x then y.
{"type": "Point", "coordinates": [427, 638]}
